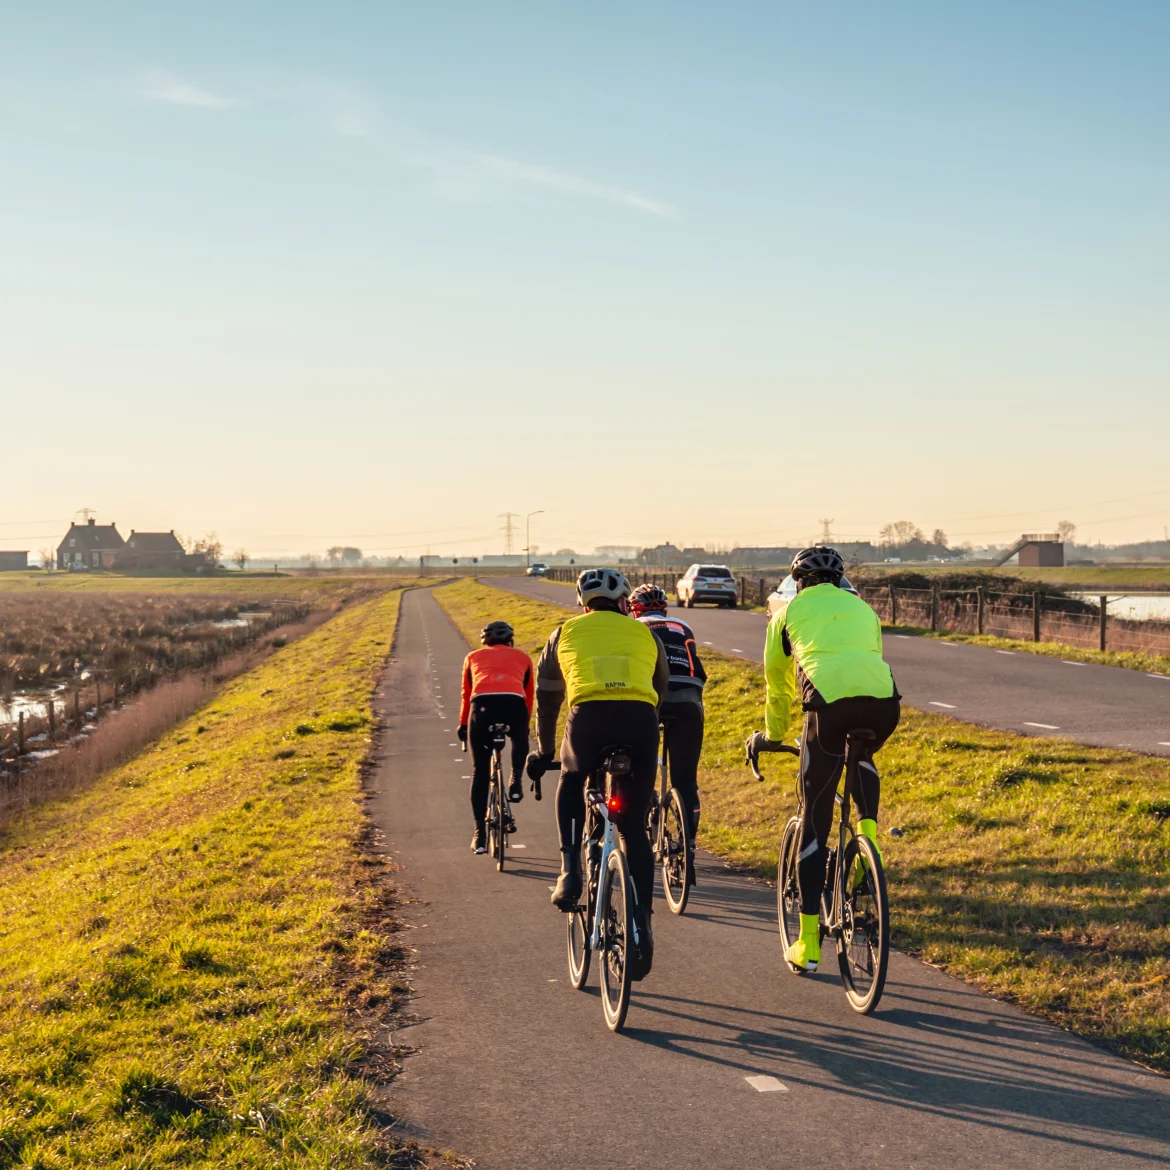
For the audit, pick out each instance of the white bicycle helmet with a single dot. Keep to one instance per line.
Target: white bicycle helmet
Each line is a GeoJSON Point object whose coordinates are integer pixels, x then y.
{"type": "Point", "coordinates": [594, 583]}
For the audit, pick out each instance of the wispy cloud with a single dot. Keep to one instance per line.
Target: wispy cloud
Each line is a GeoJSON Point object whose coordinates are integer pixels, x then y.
{"type": "Point", "coordinates": [161, 86]}
{"type": "Point", "coordinates": [534, 174]}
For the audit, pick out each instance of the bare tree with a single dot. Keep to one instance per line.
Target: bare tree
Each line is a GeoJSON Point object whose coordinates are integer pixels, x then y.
{"type": "Point", "coordinates": [333, 555]}
{"type": "Point", "coordinates": [939, 537]}
{"type": "Point", "coordinates": [1067, 530]}
{"type": "Point", "coordinates": [900, 532]}
{"type": "Point", "coordinates": [47, 558]}
{"type": "Point", "coordinates": [240, 558]}
{"type": "Point", "coordinates": [209, 549]}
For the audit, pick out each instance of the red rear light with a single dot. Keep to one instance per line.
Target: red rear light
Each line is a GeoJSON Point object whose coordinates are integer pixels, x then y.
{"type": "Point", "coordinates": [613, 804]}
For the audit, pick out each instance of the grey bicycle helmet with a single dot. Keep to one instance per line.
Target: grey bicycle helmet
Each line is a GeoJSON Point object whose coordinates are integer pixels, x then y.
{"type": "Point", "coordinates": [595, 583]}
{"type": "Point", "coordinates": [497, 633]}
{"type": "Point", "coordinates": [818, 561]}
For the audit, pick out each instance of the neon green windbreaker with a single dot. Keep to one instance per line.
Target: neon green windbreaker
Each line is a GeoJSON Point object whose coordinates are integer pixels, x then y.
{"type": "Point", "coordinates": [835, 641]}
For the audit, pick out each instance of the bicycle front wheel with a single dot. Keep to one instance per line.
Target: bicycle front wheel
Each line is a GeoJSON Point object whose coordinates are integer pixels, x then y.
{"type": "Point", "coordinates": [617, 939]}
{"type": "Point", "coordinates": [676, 853]}
{"type": "Point", "coordinates": [863, 948]}
{"type": "Point", "coordinates": [788, 884]}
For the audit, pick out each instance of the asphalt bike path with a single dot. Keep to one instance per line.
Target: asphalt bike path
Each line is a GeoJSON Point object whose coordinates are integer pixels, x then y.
{"type": "Point", "coordinates": [727, 1060]}
{"type": "Point", "coordinates": [1106, 706]}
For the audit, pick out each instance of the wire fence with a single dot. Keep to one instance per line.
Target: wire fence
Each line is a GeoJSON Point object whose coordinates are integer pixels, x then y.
{"type": "Point", "coordinates": [1084, 623]}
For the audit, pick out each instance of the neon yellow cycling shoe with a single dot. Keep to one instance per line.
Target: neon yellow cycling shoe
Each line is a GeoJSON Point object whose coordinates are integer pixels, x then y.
{"type": "Point", "coordinates": [868, 829]}
{"type": "Point", "coordinates": [804, 955]}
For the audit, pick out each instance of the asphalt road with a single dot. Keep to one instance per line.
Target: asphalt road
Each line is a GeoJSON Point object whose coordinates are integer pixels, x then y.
{"type": "Point", "coordinates": [517, 1071]}
{"type": "Point", "coordinates": [1107, 706]}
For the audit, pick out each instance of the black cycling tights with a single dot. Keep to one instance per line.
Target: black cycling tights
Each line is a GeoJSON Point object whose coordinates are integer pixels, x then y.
{"type": "Point", "coordinates": [590, 730]}
{"type": "Point", "coordinates": [486, 710]}
{"type": "Point", "coordinates": [822, 756]}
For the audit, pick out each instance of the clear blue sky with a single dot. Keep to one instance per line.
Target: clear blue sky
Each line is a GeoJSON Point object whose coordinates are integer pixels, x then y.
{"type": "Point", "coordinates": [376, 272]}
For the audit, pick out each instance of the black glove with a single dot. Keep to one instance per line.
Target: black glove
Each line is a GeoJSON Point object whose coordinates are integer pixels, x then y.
{"type": "Point", "coordinates": [462, 733]}
{"type": "Point", "coordinates": [537, 765]}
{"type": "Point", "coordinates": [758, 742]}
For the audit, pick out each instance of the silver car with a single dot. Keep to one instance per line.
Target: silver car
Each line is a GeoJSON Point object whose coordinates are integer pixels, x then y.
{"type": "Point", "coordinates": [713, 583]}
{"type": "Point", "coordinates": [786, 591]}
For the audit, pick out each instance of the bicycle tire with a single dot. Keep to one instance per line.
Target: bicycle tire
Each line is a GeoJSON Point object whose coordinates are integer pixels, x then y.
{"type": "Point", "coordinates": [676, 853]}
{"type": "Point", "coordinates": [863, 947]}
{"type": "Point", "coordinates": [617, 937]}
{"type": "Point", "coordinates": [502, 834]}
{"type": "Point", "coordinates": [579, 925]}
{"type": "Point", "coordinates": [788, 884]}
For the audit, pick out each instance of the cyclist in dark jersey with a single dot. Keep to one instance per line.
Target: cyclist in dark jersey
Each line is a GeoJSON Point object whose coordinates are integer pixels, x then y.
{"type": "Point", "coordinates": [681, 712]}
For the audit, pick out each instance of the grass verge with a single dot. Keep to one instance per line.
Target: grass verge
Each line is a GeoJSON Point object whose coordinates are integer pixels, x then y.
{"type": "Point", "coordinates": [1038, 870]}
{"type": "Point", "coordinates": [197, 951]}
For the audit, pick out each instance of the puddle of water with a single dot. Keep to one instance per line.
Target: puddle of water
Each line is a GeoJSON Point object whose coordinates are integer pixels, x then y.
{"type": "Point", "coordinates": [1142, 609]}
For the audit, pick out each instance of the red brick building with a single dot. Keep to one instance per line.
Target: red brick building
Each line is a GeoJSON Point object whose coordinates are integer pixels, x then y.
{"type": "Point", "coordinates": [89, 546]}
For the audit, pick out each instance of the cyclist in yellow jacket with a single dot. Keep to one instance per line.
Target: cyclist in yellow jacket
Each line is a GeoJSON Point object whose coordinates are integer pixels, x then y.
{"type": "Point", "coordinates": [828, 642]}
{"type": "Point", "coordinates": [613, 672]}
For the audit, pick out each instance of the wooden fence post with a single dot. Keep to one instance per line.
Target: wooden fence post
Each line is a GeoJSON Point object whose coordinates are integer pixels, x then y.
{"type": "Point", "coordinates": [1035, 617]}
{"type": "Point", "coordinates": [763, 595]}
{"type": "Point", "coordinates": [20, 734]}
{"type": "Point", "coordinates": [98, 704]}
{"type": "Point", "coordinates": [893, 606]}
{"type": "Point", "coordinates": [115, 704]}
{"type": "Point", "coordinates": [743, 597]}
{"type": "Point", "coordinates": [1101, 622]}
{"type": "Point", "coordinates": [77, 708]}
{"type": "Point", "coordinates": [52, 721]}
{"type": "Point", "coordinates": [979, 603]}
{"type": "Point", "coordinates": [934, 607]}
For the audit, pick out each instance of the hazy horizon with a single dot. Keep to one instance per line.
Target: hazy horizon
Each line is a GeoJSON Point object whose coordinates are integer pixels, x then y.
{"type": "Point", "coordinates": [372, 275]}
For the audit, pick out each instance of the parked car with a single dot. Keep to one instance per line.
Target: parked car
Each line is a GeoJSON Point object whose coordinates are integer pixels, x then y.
{"type": "Point", "coordinates": [786, 591]}
{"type": "Point", "coordinates": [712, 583]}
{"type": "Point", "coordinates": [536, 569]}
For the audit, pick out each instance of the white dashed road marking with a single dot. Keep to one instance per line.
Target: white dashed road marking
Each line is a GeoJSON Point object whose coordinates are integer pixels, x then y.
{"type": "Point", "coordinates": [904, 637]}
{"type": "Point", "coordinates": [950, 643]}
{"type": "Point", "coordinates": [1070, 662]}
{"type": "Point", "coordinates": [1046, 726]}
{"type": "Point", "coordinates": [708, 643]}
{"type": "Point", "coordinates": [1150, 675]}
{"type": "Point", "coordinates": [766, 1084]}
{"type": "Point", "coordinates": [948, 706]}
{"type": "Point", "coordinates": [513, 846]}
{"type": "Point", "coordinates": [736, 650]}
{"type": "Point", "coordinates": [1005, 652]}
{"type": "Point", "coordinates": [1164, 743]}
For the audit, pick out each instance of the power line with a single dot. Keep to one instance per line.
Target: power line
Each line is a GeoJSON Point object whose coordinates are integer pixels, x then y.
{"type": "Point", "coordinates": [509, 528]}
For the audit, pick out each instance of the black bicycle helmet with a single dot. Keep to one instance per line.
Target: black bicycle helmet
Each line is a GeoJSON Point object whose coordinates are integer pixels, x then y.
{"type": "Point", "coordinates": [497, 634]}
{"type": "Point", "coordinates": [818, 561]}
{"type": "Point", "coordinates": [595, 583]}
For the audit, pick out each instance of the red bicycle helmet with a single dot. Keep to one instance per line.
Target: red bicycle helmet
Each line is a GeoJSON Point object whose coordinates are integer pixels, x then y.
{"type": "Point", "coordinates": [648, 599]}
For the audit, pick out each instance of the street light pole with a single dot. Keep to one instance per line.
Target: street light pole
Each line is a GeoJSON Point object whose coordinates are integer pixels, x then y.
{"type": "Point", "coordinates": [528, 536]}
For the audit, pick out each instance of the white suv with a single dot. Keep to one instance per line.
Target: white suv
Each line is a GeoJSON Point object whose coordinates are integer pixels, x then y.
{"type": "Point", "coordinates": [706, 583]}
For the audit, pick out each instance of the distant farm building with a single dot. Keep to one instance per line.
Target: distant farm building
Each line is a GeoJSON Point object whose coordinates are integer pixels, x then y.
{"type": "Point", "coordinates": [90, 546]}
{"type": "Point", "coordinates": [151, 551]}
{"type": "Point", "coordinates": [1037, 550]}
{"type": "Point", "coordinates": [13, 561]}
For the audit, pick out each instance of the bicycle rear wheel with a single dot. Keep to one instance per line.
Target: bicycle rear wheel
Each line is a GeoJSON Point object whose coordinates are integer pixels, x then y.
{"type": "Point", "coordinates": [676, 853]}
{"type": "Point", "coordinates": [617, 937]}
{"type": "Point", "coordinates": [788, 885]}
{"type": "Point", "coordinates": [501, 840]}
{"type": "Point", "coordinates": [579, 925]}
{"type": "Point", "coordinates": [863, 948]}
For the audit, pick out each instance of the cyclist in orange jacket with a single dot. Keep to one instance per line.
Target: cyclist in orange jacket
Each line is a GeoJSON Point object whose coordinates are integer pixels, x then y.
{"type": "Point", "coordinates": [497, 688]}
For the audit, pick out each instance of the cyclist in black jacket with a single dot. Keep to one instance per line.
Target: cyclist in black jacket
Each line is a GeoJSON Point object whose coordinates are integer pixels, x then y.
{"type": "Point", "coordinates": [681, 712]}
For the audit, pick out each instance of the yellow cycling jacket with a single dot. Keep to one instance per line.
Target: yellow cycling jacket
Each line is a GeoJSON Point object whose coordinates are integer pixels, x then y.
{"type": "Point", "coordinates": [834, 641]}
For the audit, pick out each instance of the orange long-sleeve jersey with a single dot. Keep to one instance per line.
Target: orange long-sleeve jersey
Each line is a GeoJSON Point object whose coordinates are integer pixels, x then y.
{"type": "Point", "coordinates": [495, 670]}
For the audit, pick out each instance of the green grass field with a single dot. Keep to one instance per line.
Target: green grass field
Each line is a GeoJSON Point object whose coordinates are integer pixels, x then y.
{"type": "Point", "coordinates": [319, 590]}
{"type": "Point", "coordinates": [197, 952]}
{"type": "Point", "coordinates": [1038, 870]}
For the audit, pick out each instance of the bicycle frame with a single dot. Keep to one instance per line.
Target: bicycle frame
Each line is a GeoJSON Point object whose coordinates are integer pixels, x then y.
{"type": "Point", "coordinates": [597, 801]}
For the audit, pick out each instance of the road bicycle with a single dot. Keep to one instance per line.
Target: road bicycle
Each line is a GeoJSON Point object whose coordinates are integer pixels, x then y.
{"type": "Point", "coordinates": [499, 809]}
{"type": "Point", "coordinates": [667, 825]}
{"type": "Point", "coordinates": [604, 921]}
{"type": "Point", "coordinates": [854, 908]}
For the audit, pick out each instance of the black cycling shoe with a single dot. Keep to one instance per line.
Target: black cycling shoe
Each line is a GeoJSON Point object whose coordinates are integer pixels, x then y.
{"type": "Point", "coordinates": [516, 789]}
{"type": "Point", "coordinates": [479, 841]}
{"type": "Point", "coordinates": [509, 823]}
{"type": "Point", "coordinates": [691, 880]}
{"type": "Point", "coordinates": [642, 955]}
{"type": "Point", "coordinates": [568, 892]}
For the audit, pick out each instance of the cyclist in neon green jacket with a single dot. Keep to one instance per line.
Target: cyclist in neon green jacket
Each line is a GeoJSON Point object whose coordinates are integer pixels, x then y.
{"type": "Point", "coordinates": [827, 642]}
